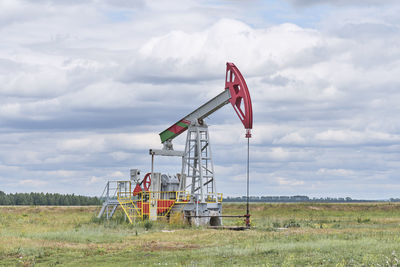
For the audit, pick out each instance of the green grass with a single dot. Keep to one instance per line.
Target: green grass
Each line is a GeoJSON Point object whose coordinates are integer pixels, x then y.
{"type": "Point", "coordinates": [305, 234]}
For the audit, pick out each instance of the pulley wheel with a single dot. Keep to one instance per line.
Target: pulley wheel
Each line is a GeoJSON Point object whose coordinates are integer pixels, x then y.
{"type": "Point", "coordinates": [147, 181]}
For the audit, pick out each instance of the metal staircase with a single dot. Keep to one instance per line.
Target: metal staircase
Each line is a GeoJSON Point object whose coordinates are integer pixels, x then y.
{"type": "Point", "coordinates": [110, 203]}
{"type": "Point", "coordinates": [130, 209]}
{"type": "Point", "coordinates": [119, 194]}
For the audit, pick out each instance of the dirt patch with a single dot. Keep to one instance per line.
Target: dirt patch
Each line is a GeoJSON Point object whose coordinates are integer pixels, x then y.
{"type": "Point", "coordinates": [258, 208]}
{"type": "Point", "coordinates": [157, 245]}
{"type": "Point", "coordinates": [47, 209]}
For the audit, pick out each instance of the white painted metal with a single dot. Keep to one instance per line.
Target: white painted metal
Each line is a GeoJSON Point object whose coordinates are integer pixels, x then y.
{"type": "Point", "coordinates": [197, 165]}
{"type": "Point", "coordinates": [210, 107]}
{"type": "Point", "coordinates": [164, 152]}
{"type": "Point", "coordinates": [135, 176]}
{"type": "Point", "coordinates": [155, 188]}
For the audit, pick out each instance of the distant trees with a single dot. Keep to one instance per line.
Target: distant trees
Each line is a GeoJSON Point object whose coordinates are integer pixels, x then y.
{"type": "Point", "coordinates": [47, 199]}
{"type": "Point", "coordinates": [269, 199]}
{"type": "Point", "coordinates": [298, 199]}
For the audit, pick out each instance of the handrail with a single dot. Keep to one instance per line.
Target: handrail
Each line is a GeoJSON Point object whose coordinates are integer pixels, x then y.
{"type": "Point", "coordinates": [179, 196]}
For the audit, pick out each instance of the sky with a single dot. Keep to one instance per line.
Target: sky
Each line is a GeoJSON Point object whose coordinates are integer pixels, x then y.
{"type": "Point", "coordinates": [87, 85]}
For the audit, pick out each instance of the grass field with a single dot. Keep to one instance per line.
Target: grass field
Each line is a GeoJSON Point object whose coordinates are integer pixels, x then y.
{"type": "Point", "coordinates": [283, 235]}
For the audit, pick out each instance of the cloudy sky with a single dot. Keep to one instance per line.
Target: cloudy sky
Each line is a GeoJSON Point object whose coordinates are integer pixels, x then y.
{"type": "Point", "coordinates": [86, 86]}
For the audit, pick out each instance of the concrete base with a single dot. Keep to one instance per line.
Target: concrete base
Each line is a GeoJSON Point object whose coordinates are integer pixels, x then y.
{"type": "Point", "coordinates": [210, 211]}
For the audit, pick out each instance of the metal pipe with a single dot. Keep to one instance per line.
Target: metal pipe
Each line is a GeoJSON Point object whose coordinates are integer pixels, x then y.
{"type": "Point", "coordinates": [248, 161]}
{"type": "Point", "coordinates": [152, 166]}
{"type": "Point", "coordinates": [223, 216]}
{"type": "Point", "coordinates": [248, 183]}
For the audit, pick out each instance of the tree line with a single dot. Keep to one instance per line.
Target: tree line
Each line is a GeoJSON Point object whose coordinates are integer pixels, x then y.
{"type": "Point", "coordinates": [300, 199]}
{"type": "Point", "coordinates": [47, 199]}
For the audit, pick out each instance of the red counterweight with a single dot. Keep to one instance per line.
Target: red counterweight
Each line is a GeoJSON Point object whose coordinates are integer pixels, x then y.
{"type": "Point", "coordinates": [237, 86]}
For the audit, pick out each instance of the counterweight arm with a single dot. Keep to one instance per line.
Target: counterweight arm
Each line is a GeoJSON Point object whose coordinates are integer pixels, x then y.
{"type": "Point", "coordinates": [205, 110]}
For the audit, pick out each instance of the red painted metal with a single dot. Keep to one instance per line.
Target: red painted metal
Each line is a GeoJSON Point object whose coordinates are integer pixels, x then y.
{"type": "Point", "coordinates": [237, 86]}
{"type": "Point", "coordinates": [137, 190]}
{"type": "Point", "coordinates": [177, 129]}
{"type": "Point", "coordinates": [147, 181]}
{"type": "Point", "coordinates": [163, 205]}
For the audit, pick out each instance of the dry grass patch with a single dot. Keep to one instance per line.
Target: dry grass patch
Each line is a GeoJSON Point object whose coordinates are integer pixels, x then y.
{"type": "Point", "coordinates": [159, 245]}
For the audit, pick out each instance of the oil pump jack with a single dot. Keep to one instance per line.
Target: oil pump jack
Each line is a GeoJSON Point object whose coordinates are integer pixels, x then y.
{"type": "Point", "coordinates": [192, 191]}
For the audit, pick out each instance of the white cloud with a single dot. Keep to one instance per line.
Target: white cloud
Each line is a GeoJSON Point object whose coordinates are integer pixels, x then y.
{"type": "Point", "coordinates": [293, 138]}
{"type": "Point", "coordinates": [197, 56]}
{"type": "Point", "coordinates": [356, 137]}
{"type": "Point", "coordinates": [119, 156]}
{"type": "Point", "coordinates": [110, 142]}
{"type": "Point", "coordinates": [341, 2]}
{"type": "Point", "coordinates": [287, 182]}
{"type": "Point", "coordinates": [95, 180]}
{"type": "Point", "coordinates": [335, 172]}
{"type": "Point", "coordinates": [30, 182]}
{"type": "Point", "coordinates": [89, 144]}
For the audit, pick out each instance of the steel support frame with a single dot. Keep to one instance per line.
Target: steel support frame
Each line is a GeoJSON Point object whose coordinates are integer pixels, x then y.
{"type": "Point", "coordinates": [197, 164]}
